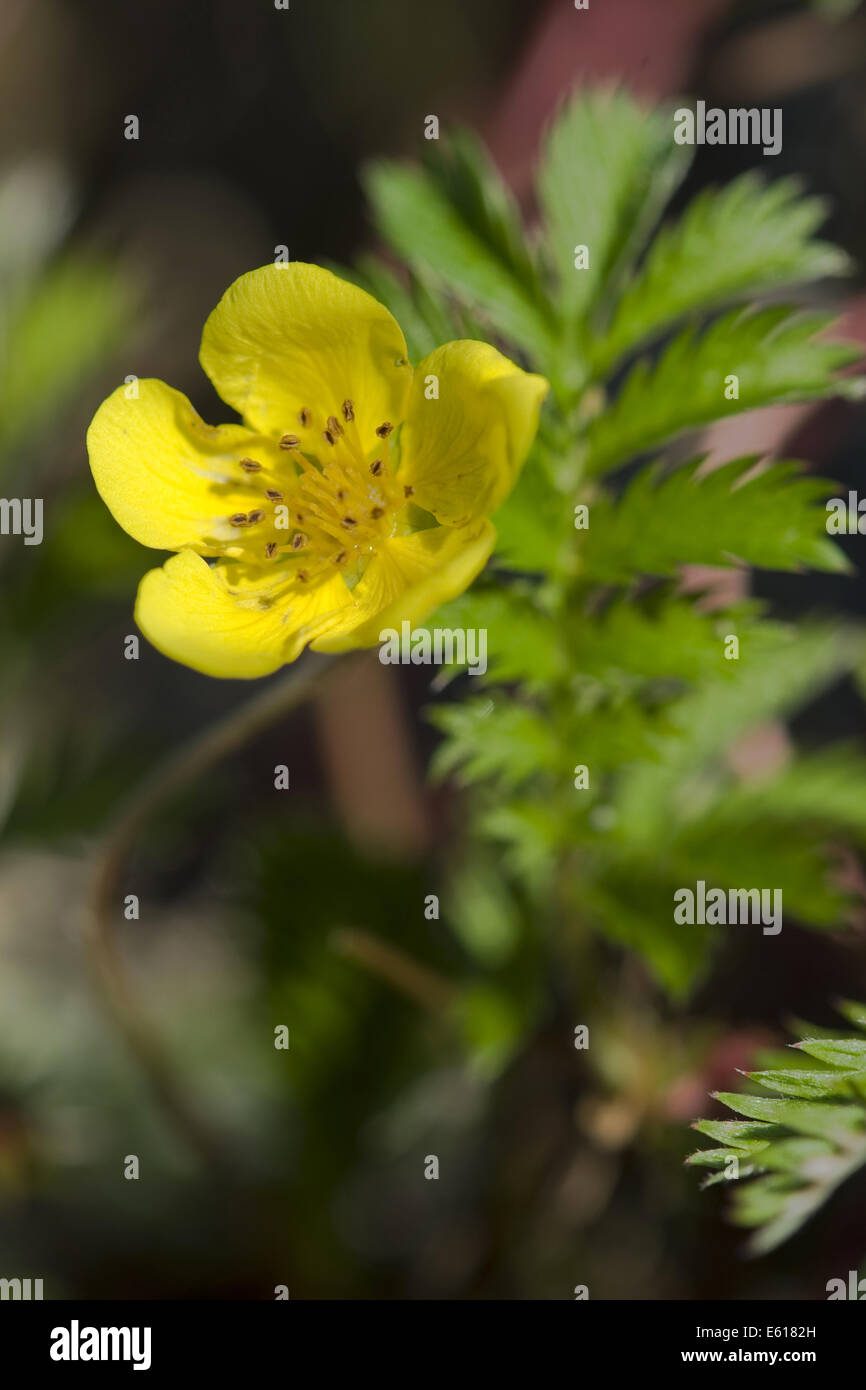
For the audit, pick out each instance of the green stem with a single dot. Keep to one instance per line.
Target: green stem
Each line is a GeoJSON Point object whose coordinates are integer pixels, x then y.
{"type": "Point", "coordinates": [181, 767]}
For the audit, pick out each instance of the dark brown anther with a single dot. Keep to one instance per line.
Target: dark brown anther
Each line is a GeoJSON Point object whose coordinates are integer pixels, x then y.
{"type": "Point", "coordinates": [377, 513]}
{"type": "Point", "coordinates": [305, 418]}
{"type": "Point", "coordinates": [272, 494]}
{"type": "Point", "coordinates": [250, 466]}
{"type": "Point", "coordinates": [348, 411]}
{"type": "Point", "coordinates": [239, 519]}
{"type": "Point", "coordinates": [299, 516]}
{"type": "Point", "coordinates": [341, 493]}
{"type": "Point", "coordinates": [303, 576]}
{"type": "Point", "coordinates": [349, 522]}
{"type": "Point", "coordinates": [384, 430]}
{"type": "Point", "coordinates": [299, 540]}
{"type": "Point", "coordinates": [408, 491]}
{"type": "Point", "coordinates": [341, 558]}
{"type": "Point", "coordinates": [376, 467]}
{"type": "Point", "coordinates": [328, 437]}
{"type": "Point", "coordinates": [289, 441]}
{"type": "Point", "coordinates": [334, 425]}
{"type": "Point", "coordinates": [255, 517]}
{"type": "Point", "coordinates": [271, 549]}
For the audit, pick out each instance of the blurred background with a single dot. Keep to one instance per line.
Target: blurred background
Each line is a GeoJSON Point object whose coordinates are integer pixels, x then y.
{"type": "Point", "coordinates": [260, 908]}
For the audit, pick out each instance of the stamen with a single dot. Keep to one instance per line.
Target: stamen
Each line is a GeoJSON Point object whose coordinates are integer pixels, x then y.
{"type": "Point", "coordinates": [328, 437]}
{"type": "Point", "coordinates": [349, 522]}
{"type": "Point", "coordinates": [272, 494]}
{"type": "Point", "coordinates": [348, 411]}
{"type": "Point", "coordinates": [384, 430]}
{"type": "Point", "coordinates": [271, 549]}
{"type": "Point", "coordinates": [251, 466]}
{"type": "Point", "coordinates": [408, 491]}
{"type": "Point", "coordinates": [299, 541]}
{"type": "Point", "coordinates": [305, 418]}
{"type": "Point", "coordinates": [334, 425]}
{"type": "Point", "coordinates": [289, 441]}
{"type": "Point", "coordinates": [341, 558]}
{"type": "Point", "coordinates": [255, 517]}
{"type": "Point", "coordinates": [376, 468]}
{"type": "Point", "coordinates": [303, 576]}
{"type": "Point", "coordinates": [377, 513]}
{"type": "Point", "coordinates": [239, 519]}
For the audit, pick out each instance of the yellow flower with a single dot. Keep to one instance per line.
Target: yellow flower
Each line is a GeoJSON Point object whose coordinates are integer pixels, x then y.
{"type": "Point", "coordinates": [356, 494]}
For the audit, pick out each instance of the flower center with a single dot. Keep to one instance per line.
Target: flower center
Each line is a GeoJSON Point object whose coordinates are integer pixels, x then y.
{"type": "Point", "coordinates": [341, 502]}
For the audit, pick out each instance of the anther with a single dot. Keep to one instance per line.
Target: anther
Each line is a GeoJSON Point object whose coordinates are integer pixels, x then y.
{"type": "Point", "coordinates": [289, 441]}
{"type": "Point", "coordinates": [334, 425]}
{"type": "Point", "coordinates": [299, 541]}
{"type": "Point", "coordinates": [303, 576]}
{"type": "Point", "coordinates": [328, 437]}
{"type": "Point", "coordinates": [408, 491]}
{"type": "Point", "coordinates": [271, 549]}
{"type": "Point", "coordinates": [384, 430]}
{"type": "Point", "coordinates": [250, 466]}
{"type": "Point", "coordinates": [341, 558]}
{"type": "Point", "coordinates": [305, 418]}
{"type": "Point", "coordinates": [255, 517]}
{"type": "Point", "coordinates": [376, 467]}
{"type": "Point", "coordinates": [348, 411]}
{"type": "Point", "coordinates": [239, 519]}
{"type": "Point", "coordinates": [272, 494]}
{"type": "Point", "coordinates": [349, 522]}
{"type": "Point", "coordinates": [377, 513]}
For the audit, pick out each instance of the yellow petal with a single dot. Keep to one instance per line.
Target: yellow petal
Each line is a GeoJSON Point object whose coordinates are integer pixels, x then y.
{"type": "Point", "coordinates": [230, 620]}
{"type": "Point", "coordinates": [294, 337]}
{"type": "Point", "coordinates": [167, 477]}
{"type": "Point", "coordinates": [409, 577]}
{"type": "Point", "coordinates": [462, 451]}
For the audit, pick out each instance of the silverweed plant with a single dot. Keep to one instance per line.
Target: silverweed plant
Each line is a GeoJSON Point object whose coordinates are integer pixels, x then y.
{"type": "Point", "coordinates": [594, 752]}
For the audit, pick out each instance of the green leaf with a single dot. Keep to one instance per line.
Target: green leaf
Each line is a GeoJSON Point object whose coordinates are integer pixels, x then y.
{"type": "Point", "coordinates": [741, 1134]}
{"type": "Point", "coordinates": [733, 242]}
{"type": "Point", "coordinates": [809, 1146]}
{"type": "Point", "coordinates": [533, 525]}
{"type": "Point", "coordinates": [807, 1085]}
{"type": "Point", "coordinates": [629, 903]}
{"type": "Point", "coordinates": [841, 1053]}
{"type": "Point", "coordinates": [824, 792]}
{"type": "Point", "coordinates": [656, 638]}
{"type": "Point", "coordinates": [522, 640]}
{"type": "Point", "coordinates": [501, 740]}
{"type": "Point", "coordinates": [425, 229]}
{"type": "Point", "coordinates": [606, 165]}
{"type": "Point", "coordinates": [469, 178]}
{"type": "Point", "coordinates": [766, 517]}
{"type": "Point", "coordinates": [780, 668]}
{"type": "Point", "coordinates": [775, 354]}
{"type": "Point", "coordinates": [803, 1117]}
